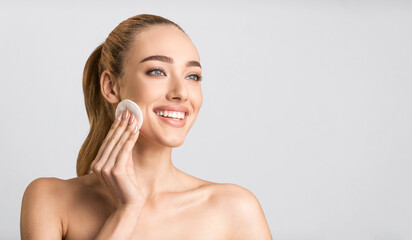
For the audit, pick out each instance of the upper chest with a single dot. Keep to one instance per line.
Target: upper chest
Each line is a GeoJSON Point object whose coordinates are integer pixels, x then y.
{"type": "Point", "coordinates": [191, 215]}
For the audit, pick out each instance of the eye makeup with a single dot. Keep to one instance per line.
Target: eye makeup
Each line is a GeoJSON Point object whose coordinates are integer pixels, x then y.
{"type": "Point", "coordinates": [148, 72]}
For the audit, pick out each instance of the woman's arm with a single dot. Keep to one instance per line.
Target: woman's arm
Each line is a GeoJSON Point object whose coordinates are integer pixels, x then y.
{"type": "Point", "coordinates": [41, 211]}
{"type": "Point", "coordinates": [113, 166]}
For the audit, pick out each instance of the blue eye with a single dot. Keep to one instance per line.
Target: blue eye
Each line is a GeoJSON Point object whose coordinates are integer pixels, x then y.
{"type": "Point", "coordinates": [156, 71]}
{"type": "Point", "coordinates": [196, 77]}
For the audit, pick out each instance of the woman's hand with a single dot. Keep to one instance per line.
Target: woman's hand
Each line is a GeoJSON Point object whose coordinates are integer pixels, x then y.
{"type": "Point", "coordinates": [113, 164]}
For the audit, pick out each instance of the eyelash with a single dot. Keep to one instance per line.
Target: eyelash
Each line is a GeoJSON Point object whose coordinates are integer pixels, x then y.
{"type": "Point", "coordinates": [199, 77]}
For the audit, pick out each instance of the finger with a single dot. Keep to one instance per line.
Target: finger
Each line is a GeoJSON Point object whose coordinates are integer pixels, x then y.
{"type": "Point", "coordinates": [104, 143]}
{"type": "Point", "coordinates": [123, 166]}
{"type": "Point", "coordinates": [106, 139]}
{"type": "Point", "coordinates": [111, 143]}
{"type": "Point", "coordinates": [114, 154]}
{"type": "Point", "coordinates": [124, 159]}
{"type": "Point", "coordinates": [114, 176]}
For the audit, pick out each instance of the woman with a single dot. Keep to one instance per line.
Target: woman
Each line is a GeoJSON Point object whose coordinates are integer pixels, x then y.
{"type": "Point", "coordinates": [133, 190]}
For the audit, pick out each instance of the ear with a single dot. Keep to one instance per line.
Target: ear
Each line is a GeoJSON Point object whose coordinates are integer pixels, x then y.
{"type": "Point", "coordinates": [109, 88]}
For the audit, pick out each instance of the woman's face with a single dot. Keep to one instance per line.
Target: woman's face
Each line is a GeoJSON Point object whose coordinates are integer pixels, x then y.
{"type": "Point", "coordinates": [161, 74]}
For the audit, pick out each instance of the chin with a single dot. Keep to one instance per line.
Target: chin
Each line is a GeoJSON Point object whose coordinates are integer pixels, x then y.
{"type": "Point", "coordinates": [175, 145]}
{"type": "Point", "coordinates": [172, 141]}
{"type": "Point", "coordinates": [169, 140]}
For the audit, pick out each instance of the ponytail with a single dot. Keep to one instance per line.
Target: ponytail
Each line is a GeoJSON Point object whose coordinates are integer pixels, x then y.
{"type": "Point", "coordinates": [99, 112]}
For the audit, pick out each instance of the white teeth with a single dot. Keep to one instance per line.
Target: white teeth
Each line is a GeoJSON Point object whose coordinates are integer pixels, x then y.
{"type": "Point", "coordinates": [171, 114]}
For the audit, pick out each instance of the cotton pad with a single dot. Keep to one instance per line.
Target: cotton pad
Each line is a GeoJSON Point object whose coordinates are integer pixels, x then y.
{"type": "Point", "coordinates": [133, 108]}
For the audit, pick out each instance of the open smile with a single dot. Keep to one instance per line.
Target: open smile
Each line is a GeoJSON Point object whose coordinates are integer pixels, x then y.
{"type": "Point", "coordinates": [173, 115]}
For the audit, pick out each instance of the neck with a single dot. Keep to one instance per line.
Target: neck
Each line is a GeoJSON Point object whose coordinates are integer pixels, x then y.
{"type": "Point", "coordinates": [154, 168]}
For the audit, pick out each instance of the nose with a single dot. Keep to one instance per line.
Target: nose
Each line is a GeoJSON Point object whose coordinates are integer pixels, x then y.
{"type": "Point", "coordinates": [177, 89]}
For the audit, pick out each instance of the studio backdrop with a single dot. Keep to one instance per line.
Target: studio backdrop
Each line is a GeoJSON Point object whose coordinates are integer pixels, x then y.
{"type": "Point", "coordinates": [307, 104]}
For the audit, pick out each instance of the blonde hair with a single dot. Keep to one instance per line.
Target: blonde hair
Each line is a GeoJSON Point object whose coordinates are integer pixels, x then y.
{"type": "Point", "coordinates": [108, 56]}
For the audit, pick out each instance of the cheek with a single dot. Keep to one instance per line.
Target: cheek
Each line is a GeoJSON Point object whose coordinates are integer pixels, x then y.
{"type": "Point", "coordinates": [197, 98]}
{"type": "Point", "coordinates": [145, 92]}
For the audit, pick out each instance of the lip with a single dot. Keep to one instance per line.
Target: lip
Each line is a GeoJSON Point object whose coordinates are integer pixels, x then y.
{"type": "Point", "coordinates": [177, 108]}
{"type": "Point", "coordinates": [169, 121]}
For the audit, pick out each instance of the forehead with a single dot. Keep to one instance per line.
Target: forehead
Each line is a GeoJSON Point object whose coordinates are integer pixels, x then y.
{"type": "Point", "coordinates": [165, 40]}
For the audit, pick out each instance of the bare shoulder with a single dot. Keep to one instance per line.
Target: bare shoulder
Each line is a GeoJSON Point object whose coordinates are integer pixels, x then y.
{"type": "Point", "coordinates": [44, 184]}
{"type": "Point", "coordinates": [45, 190]}
{"type": "Point", "coordinates": [233, 196]}
{"type": "Point", "coordinates": [242, 209]}
{"type": "Point", "coordinates": [42, 199]}
{"type": "Point", "coordinates": [50, 189]}
{"type": "Point", "coordinates": [235, 190]}
{"type": "Point", "coordinates": [50, 199]}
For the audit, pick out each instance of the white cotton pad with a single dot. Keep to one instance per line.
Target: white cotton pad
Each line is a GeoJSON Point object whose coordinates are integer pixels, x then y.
{"type": "Point", "coordinates": [133, 108]}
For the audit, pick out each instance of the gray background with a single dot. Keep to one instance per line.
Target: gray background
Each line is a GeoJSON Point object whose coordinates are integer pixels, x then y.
{"type": "Point", "coordinates": [306, 103]}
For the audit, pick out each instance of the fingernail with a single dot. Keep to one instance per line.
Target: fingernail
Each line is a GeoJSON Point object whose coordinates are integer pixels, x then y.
{"type": "Point", "coordinates": [131, 119]}
{"type": "Point", "coordinates": [135, 130]}
{"type": "Point", "coordinates": [119, 117]}
{"type": "Point", "coordinates": [125, 114]}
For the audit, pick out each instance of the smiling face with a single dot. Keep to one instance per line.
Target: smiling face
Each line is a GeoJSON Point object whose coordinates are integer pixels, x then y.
{"type": "Point", "coordinates": [161, 74]}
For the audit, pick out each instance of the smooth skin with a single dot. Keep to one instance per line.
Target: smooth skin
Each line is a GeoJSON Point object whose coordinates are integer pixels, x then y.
{"type": "Point", "coordinates": [135, 191]}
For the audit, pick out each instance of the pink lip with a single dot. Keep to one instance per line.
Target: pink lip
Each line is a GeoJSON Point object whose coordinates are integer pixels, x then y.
{"type": "Point", "coordinates": [169, 121]}
{"type": "Point", "coordinates": [174, 123]}
{"type": "Point", "coordinates": [177, 108]}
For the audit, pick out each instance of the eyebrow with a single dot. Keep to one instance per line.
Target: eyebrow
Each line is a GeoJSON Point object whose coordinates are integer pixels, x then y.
{"type": "Point", "coordinates": [167, 59]}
